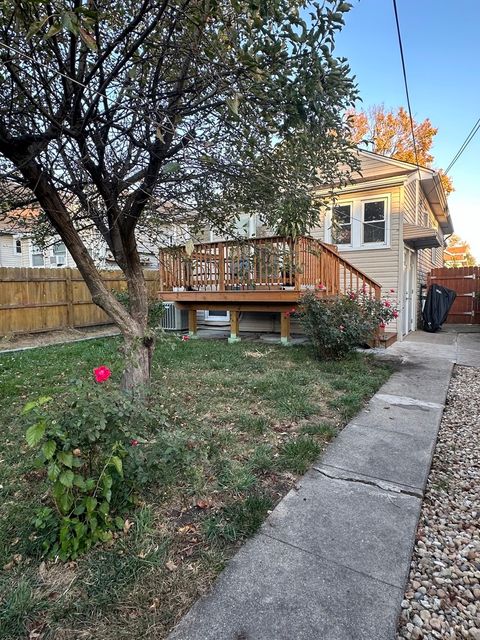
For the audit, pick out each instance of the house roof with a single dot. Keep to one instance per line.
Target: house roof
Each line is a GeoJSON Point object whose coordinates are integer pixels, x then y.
{"type": "Point", "coordinates": [431, 185]}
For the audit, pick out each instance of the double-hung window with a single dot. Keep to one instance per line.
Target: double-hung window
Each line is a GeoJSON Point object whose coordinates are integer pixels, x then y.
{"type": "Point", "coordinates": [38, 258]}
{"type": "Point", "coordinates": [342, 224]}
{"type": "Point", "coordinates": [374, 222]}
{"type": "Point", "coordinates": [360, 223]}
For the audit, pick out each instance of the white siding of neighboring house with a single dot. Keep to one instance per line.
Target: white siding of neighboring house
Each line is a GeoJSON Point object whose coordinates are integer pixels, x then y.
{"type": "Point", "coordinates": [8, 256]}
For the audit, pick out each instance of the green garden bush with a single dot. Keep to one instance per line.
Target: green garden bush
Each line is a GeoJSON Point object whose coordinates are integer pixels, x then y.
{"type": "Point", "coordinates": [337, 326]}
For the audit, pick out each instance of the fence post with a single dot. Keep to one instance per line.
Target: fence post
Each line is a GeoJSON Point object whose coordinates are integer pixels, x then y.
{"type": "Point", "coordinates": [69, 298]}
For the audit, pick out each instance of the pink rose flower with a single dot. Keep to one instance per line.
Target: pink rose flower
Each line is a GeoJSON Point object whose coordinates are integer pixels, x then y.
{"type": "Point", "coordinates": [341, 327]}
{"type": "Point", "coordinates": [387, 303]}
{"type": "Point", "coordinates": [395, 314]}
{"type": "Point", "coordinates": [102, 373]}
{"type": "Point", "coordinates": [185, 338]}
{"type": "Point", "coordinates": [392, 290]}
{"type": "Point", "coordinates": [134, 443]}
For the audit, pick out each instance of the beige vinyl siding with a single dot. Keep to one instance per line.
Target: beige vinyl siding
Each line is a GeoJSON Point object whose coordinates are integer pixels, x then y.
{"type": "Point", "coordinates": [410, 201]}
{"type": "Point", "coordinates": [375, 168]}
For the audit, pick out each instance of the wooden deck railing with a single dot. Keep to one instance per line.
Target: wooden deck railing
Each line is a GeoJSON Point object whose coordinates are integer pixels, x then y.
{"type": "Point", "coordinates": [261, 264]}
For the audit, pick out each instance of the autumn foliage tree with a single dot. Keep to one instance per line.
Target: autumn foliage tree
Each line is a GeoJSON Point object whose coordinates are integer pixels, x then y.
{"type": "Point", "coordinates": [389, 133]}
{"type": "Point", "coordinates": [138, 113]}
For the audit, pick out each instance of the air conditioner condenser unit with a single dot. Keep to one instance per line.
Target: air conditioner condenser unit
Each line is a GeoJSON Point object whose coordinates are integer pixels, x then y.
{"type": "Point", "coordinates": [174, 319]}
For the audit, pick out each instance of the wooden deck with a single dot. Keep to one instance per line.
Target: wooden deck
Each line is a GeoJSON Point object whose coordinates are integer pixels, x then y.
{"type": "Point", "coordinates": [257, 274]}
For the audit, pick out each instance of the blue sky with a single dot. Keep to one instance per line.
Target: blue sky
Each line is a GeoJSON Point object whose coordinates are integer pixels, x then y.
{"type": "Point", "coordinates": [441, 41]}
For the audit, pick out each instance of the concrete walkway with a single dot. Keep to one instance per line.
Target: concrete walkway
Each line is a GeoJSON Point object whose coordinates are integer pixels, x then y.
{"type": "Point", "coordinates": [332, 560]}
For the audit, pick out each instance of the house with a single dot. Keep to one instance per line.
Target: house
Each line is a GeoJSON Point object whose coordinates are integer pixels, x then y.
{"type": "Point", "coordinates": [385, 231]}
{"type": "Point", "coordinates": [18, 249]}
{"type": "Point", "coordinates": [392, 223]}
{"type": "Point", "coordinates": [458, 255]}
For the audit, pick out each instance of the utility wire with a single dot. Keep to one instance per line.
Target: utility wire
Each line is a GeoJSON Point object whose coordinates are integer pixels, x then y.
{"type": "Point", "coordinates": [464, 145]}
{"type": "Point", "coordinates": [406, 83]}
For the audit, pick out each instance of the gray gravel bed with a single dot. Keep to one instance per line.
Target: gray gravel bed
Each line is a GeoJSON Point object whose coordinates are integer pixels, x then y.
{"type": "Point", "coordinates": [442, 598]}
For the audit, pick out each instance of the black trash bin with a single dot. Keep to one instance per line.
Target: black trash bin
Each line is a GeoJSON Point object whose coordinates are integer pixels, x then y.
{"type": "Point", "coordinates": [437, 305]}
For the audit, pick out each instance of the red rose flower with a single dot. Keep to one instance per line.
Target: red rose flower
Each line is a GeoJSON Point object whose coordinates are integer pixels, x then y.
{"type": "Point", "coordinates": [287, 314]}
{"type": "Point", "coordinates": [352, 295]}
{"type": "Point", "coordinates": [185, 338]}
{"type": "Point", "coordinates": [392, 290]}
{"type": "Point", "coordinates": [102, 373]}
{"type": "Point", "coordinates": [382, 325]}
{"type": "Point", "coordinates": [395, 314]}
{"type": "Point", "coordinates": [134, 443]}
{"type": "Point", "coordinates": [387, 303]}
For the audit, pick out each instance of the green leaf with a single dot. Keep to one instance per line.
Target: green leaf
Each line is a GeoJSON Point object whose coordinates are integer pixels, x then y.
{"type": "Point", "coordinates": [35, 27]}
{"type": "Point", "coordinates": [65, 502]}
{"type": "Point", "coordinates": [90, 484]}
{"type": "Point", "coordinates": [104, 508]}
{"type": "Point", "coordinates": [119, 522]}
{"type": "Point", "coordinates": [35, 433]}
{"type": "Point", "coordinates": [117, 463]}
{"type": "Point", "coordinates": [49, 449]}
{"type": "Point", "coordinates": [171, 167]}
{"type": "Point", "coordinates": [33, 404]}
{"type": "Point", "coordinates": [70, 22]}
{"type": "Point", "coordinates": [53, 471]}
{"type": "Point", "coordinates": [54, 29]}
{"type": "Point", "coordinates": [90, 503]}
{"type": "Point", "coordinates": [88, 39]}
{"type": "Point", "coordinates": [66, 478]}
{"type": "Point", "coordinates": [65, 458]}
{"type": "Point", "coordinates": [79, 482]}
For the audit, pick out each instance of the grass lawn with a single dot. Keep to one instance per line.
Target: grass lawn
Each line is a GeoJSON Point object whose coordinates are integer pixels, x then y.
{"type": "Point", "coordinates": [244, 421]}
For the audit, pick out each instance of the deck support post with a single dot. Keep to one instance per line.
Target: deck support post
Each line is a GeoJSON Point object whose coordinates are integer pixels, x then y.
{"type": "Point", "coordinates": [192, 323]}
{"type": "Point", "coordinates": [285, 328]}
{"type": "Point", "coordinates": [234, 327]}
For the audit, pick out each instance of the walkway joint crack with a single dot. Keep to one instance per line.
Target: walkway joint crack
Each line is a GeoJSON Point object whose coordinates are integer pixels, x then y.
{"type": "Point", "coordinates": [388, 488]}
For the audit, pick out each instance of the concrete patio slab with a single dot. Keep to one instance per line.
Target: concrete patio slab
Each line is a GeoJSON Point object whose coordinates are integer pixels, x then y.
{"type": "Point", "coordinates": [383, 454]}
{"type": "Point", "coordinates": [275, 591]}
{"type": "Point", "coordinates": [358, 525]}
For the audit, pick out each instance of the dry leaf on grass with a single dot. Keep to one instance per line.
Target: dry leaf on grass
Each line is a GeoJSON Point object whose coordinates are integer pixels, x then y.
{"type": "Point", "coordinates": [171, 566]}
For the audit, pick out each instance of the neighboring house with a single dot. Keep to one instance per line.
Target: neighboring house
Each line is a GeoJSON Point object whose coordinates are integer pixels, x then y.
{"type": "Point", "coordinates": [457, 256]}
{"type": "Point", "coordinates": [17, 249]}
{"type": "Point", "coordinates": [390, 224]}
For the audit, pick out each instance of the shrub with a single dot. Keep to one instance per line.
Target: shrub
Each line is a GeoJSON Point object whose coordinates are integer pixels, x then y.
{"type": "Point", "coordinates": [83, 445]}
{"type": "Point", "coordinates": [336, 326]}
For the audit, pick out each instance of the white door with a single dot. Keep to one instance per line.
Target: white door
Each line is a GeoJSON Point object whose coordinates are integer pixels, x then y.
{"type": "Point", "coordinates": [409, 289]}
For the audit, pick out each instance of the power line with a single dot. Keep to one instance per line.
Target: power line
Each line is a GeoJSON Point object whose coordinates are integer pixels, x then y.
{"type": "Point", "coordinates": [406, 82]}
{"type": "Point", "coordinates": [464, 145]}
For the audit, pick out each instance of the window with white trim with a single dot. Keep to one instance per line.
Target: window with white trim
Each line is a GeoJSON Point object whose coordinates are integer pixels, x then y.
{"type": "Point", "coordinates": [374, 228]}
{"type": "Point", "coordinates": [18, 246]}
{"type": "Point", "coordinates": [342, 224]}
{"type": "Point", "coordinates": [360, 223]}
{"type": "Point", "coordinates": [38, 259]}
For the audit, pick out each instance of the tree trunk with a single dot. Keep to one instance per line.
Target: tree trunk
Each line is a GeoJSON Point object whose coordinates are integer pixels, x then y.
{"type": "Point", "coordinates": [138, 351]}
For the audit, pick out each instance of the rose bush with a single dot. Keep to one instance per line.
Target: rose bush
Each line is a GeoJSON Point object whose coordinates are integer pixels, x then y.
{"type": "Point", "coordinates": [336, 326]}
{"type": "Point", "coordinates": [87, 442]}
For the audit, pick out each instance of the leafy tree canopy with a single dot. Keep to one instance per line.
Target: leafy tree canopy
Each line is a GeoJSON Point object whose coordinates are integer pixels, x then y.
{"type": "Point", "coordinates": [131, 115]}
{"type": "Point", "coordinates": [389, 133]}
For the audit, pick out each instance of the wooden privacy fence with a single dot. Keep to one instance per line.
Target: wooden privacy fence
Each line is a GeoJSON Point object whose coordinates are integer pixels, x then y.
{"type": "Point", "coordinates": [465, 281]}
{"type": "Point", "coordinates": [35, 300]}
